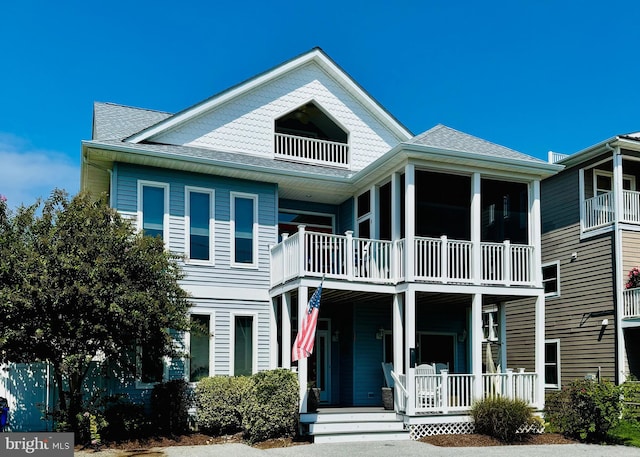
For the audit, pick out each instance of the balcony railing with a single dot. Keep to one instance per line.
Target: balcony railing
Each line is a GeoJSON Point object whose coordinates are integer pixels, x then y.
{"type": "Point", "coordinates": [378, 261]}
{"type": "Point", "coordinates": [631, 303]}
{"type": "Point", "coordinates": [445, 393]}
{"type": "Point", "coordinates": [310, 150]}
{"type": "Point", "coordinates": [600, 211]}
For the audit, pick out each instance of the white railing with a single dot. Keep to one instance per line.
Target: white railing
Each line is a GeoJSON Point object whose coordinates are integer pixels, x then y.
{"type": "Point", "coordinates": [599, 211]}
{"type": "Point", "coordinates": [631, 303]}
{"type": "Point", "coordinates": [302, 149]}
{"type": "Point", "coordinates": [518, 385]}
{"type": "Point", "coordinates": [444, 392]}
{"type": "Point", "coordinates": [631, 206]}
{"type": "Point", "coordinates": [435, 259]}
{"type": "Point", "coordinates": [555, 157]}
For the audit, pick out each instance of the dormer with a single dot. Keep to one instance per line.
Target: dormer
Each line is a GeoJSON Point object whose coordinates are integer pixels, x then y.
{"type": "Point", "coordinates": [308, 134]}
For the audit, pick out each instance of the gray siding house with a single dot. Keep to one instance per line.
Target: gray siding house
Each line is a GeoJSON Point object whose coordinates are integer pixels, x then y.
{"type": "Point", "coordinates": [297, 178]}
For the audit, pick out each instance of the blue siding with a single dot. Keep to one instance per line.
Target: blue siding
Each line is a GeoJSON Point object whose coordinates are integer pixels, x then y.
{"type": "Point", "coordinates": [346, 216]}
{"type": "Point", "coordinates": [222, 274]}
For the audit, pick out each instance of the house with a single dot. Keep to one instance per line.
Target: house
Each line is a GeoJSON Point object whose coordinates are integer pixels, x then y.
{"type": "Point", "coordinates": [590, 243]}
{"type": "Point", "coordinates": [298, 178]}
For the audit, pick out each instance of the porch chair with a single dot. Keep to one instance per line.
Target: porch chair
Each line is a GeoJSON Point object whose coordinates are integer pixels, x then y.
{"type": "Point", "coordinates": [442, 366]}
{"type": "Point", "coordinates": [427, 386]}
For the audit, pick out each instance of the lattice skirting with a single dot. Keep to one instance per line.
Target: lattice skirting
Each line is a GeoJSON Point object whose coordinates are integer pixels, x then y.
{"type": "Point", "coordinates": [417, 431]}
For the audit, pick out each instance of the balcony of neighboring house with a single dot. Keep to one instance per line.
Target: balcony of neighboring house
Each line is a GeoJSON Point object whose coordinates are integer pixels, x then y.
{"type": "Point", "coordinates": [600, 186]}
{"type": "Point", "coordinates": [309, 135]}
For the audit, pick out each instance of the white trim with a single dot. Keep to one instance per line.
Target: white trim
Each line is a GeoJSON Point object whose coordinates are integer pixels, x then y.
{"type": "Point", "coordinates": [493, 321]}
{"type": "Point", "coordinates": [608, 174]}
{"type": "Point", "coordinates": [309, 213]}
{"type": "Point", "coordinates": [232, 224]}
{"type": "Point", "coordinates": [254, 341]}
{"type": "Point", "coordinates": [187, 342]}
{"type": "Point", "coordinates": [165, 219]}
{"type": "Point", "coordinates": [555, 341]}
{"type": "Point", "coordinates": [555, 294]}
{"type": "Point", "coordinates": [187, 225]}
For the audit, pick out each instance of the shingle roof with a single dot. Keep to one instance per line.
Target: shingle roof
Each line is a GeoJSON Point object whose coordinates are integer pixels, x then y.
{"type": "Point", "coordinates": [443, 137]}
{"type": "Point", "coordinates": [116, 122]}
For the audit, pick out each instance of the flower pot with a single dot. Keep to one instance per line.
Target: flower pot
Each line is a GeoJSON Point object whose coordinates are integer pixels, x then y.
{"type": "Point", "coordinates": [387, 397]}
{"type": "Point", "coordinates": [313, 399]}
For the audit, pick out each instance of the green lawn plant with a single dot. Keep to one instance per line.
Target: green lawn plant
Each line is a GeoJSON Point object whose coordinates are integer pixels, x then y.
{"type": "Point", "coordinates": [502, 418]}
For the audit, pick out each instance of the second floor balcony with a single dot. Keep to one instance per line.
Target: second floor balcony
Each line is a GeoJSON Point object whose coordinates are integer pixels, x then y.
{"type": "Point", "coordinates": [600, 211]}
{"type": "Point", "coordinates": [438, 260]}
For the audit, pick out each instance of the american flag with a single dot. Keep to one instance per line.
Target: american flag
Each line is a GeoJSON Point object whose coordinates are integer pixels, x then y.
{"type": "Point", "coordinates": [303, 345]}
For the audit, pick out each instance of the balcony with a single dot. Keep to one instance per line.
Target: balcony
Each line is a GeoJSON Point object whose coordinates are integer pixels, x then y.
{"type": "Point", "coordinates": [440, 260]}
{"type": "Point", "coordinates": [599, 211]}
{"type": "Point", "coordinates": [310, 150]}
{"type": "Point", "coordinates": [631, 304]}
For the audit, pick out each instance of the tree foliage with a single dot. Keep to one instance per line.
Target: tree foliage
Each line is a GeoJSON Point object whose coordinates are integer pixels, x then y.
{"type": "Point", "coordinates": [77, 281]}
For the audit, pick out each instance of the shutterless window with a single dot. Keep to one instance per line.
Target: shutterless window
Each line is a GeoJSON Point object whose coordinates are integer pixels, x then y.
{"type": "Point", "coordinates": [552, 363]}
{"type": "Point", "coordinates": [243, 346]}
{"type": "Point", "coordinates": [150, 368]}
{"type": "Point", "coordinates": [490, 329]}
{"type": "Point", "coordinates": [200, 220]}
{"type": "Point", "coordinates": [244, 229]}
{"type": "Point", "coordinates": [153, 199]}
{"type": "Point", "coordinates": [551, 279]}
{"type": "Point", "coordinates": [199, 347]}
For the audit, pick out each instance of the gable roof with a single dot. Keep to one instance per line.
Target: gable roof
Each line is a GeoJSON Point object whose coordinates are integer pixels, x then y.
{"type": "Point", "coordinates": [443, 137]}
{"type": "Point", "coordinates": [317, 56]}
{"type": "Point", "coordinates": [115, 122]}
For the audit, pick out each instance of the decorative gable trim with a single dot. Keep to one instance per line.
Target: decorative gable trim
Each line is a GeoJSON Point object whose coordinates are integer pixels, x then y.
{"type": "Point", "coordinates": [317, 56]}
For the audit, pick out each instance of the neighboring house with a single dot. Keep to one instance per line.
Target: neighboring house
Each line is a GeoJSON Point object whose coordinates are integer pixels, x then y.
{"type": "Point", "coordinates": [298, 176]}
{"type": "Point", "coordinates": [590, 242]}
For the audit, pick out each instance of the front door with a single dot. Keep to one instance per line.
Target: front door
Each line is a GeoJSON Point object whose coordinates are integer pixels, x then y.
{"type": "Point", "coordinates": [320, 360]}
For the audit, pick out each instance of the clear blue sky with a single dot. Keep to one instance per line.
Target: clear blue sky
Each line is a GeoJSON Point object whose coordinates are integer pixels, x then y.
{"type": "Point", "coordinates": [531, 75]}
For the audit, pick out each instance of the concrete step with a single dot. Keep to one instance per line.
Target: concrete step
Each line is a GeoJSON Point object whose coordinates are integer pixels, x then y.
{"type": "Point", "coordinates": [344, 426]}
{"type": "Point", "coordinates": [356, 437]}
{"type": "Point", "coordinates": [324, 428]}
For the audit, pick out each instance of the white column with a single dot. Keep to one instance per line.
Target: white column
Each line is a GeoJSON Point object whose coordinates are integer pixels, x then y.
{"type": "Point", "coordinates": [409, 324]}
{"type": "Point", "coordinates": [303, 298]}
{"type": "Point", "coordinates": [286, 329]}
{"type": "Point", "coordinates": [476, 345]}
{"type": "Point", "coordinates": [398, 334]}
{"type": "Point", "coordinates": [539, 348]}
{"type": "Point", "coordinates": [619, 273]}
{"type": "Point", "coordinates": [582, 198]}
{"type": "Point", "coordinates": [396, 204]}
{"type": "Point", "coordinates": [617, 184]}
{"type": "Point", "coordinates": [476, 227]}
{"type": "Point", "coordinates": [410, 220]}
{"type": "Point", "coordinates": [535, 233]}
{"type": "Point", "coordinates": [273, 331]}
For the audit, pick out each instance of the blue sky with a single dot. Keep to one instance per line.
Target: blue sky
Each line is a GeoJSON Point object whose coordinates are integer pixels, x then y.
{"type": "Point", "coordinates": [531, 75]}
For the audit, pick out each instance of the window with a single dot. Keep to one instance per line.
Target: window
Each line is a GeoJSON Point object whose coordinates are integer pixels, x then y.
{"type": "Point", "coordinates": [150, 369]}
{"type": "Point", "coordinates": [364, 215]}
{"type": "Point", "coordinates": [551, 279]}
{"type": "Point", "coordinates": [603, 182]}
{"type": "Point", "coordinates": [490, 328]}
{"type": "Point", "coordinates": [552, 364]}
{"type": "Point", "coordinates": [199, 223]}
{"type": "Point", "coordinates": [153, 208]}
{"type": "Point", "coordinates": [244, 228]}
{"type": "Point", "coordinates": [244, 345]}
{"type": "Point", "coordinates": [289, 220]}
{"type": "Point", "coordinates": [200, 347]}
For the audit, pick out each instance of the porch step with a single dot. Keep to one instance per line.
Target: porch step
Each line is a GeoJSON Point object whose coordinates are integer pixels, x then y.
{"type": "Point", "coordinates": [339, 426]}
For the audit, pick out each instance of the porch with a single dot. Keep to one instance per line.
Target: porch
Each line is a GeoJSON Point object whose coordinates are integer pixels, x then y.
{"type": "Point", "coordinates": [600, 211]}
{"type": "Point", "coordinates": [631, 304]}
{"type": "Point", "coordinates": [440, 260]}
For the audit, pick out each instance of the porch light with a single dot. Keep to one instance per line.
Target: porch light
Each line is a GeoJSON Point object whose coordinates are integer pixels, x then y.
{"type": "Point", "coordinates": [336, 336]}
{"type": "Point", "coordinates": [462, 337]}
{"type": "Point", "coordinates": [380, 334]}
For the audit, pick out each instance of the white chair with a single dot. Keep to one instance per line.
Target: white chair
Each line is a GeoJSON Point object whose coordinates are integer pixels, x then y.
{"type": "Point", "coordinates": [442, 366]}
{"type": "Point", "coordinates": [427, 385]}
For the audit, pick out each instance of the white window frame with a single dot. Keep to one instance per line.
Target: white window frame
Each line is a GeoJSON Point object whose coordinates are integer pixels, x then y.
{"type": "Point", "coordinates": [608, 174]}
{"type": "Point", "coordinates": [493, 322]}
{"type": "Point", "coordinates": [165, 219]}
{"type": "Point", "coordinates": [212, 345]}
{"type": "Point", "coordinates": [557, 291]}
{"type": "Point", "coordinates": [232, 223]}
{"type": "Point", "coordinates": [366, 217]}
{"type": "Point", "coordinates": [187, 224]}
{"type": "Point", "coordinates": [232, 341]}
{"type": "Point", "coordinates": [555, 341]}
{"type": "Point", "coordinates": [149, 385]}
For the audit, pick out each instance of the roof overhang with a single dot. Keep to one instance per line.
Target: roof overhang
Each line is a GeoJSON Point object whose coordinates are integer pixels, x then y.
{"type": "Point", "coordinates": [598, 149]}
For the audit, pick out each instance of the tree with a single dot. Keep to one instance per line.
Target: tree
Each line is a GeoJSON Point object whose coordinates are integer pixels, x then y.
{"type": "Point", "coordinates": [77, 281]}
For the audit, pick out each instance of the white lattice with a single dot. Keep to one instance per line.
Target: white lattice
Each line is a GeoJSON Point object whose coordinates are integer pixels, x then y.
{"type": "Point", "coordinates": [417, 431]}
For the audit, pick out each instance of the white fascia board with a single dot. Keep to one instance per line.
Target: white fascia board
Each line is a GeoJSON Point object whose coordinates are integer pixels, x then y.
{"type": "Point", "coordinates": [315, 55]}
{"type": "Point", "coordinates": [589, 153]}
{"type": "Point", "coordinates": [259, 170]}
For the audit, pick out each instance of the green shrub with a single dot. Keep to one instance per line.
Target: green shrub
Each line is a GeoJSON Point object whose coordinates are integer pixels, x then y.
{"type": "Point", "coordinates": [170, 403]}
{"type": "Point", "coordinates": [126, 421]}
{"type": "Point", "coordinates": [631, 396]}
{"type": "Point", "coordinates": [585, 409]}
{"type": "Point", "coordinates": [272, 407]}
{"type": "Point", "coordinates": [501, 417]}
{"type": "Point", "coordinates": [220, 402]}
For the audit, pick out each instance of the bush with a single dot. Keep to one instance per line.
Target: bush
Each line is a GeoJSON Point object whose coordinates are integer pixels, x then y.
{"type": "Point", "coordinates": [501, 417]}
{"type": "Point", "coordinates": [126, 421]}
{"type": "Point", "coordinates": [585, 409]}
{"type": "Point", "coordinates": [220, 401]}
{"type": "Point", "coordinates": [170, 403]}
{"type": "Point", "coordinates": [272, 407]}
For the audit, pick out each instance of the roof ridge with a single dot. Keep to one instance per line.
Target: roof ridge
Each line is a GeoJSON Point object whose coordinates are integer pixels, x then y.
{"type": "Point", "coordinates": [120, 105]}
